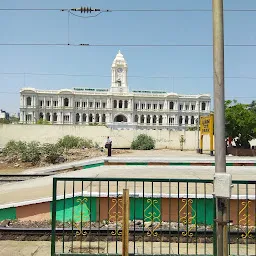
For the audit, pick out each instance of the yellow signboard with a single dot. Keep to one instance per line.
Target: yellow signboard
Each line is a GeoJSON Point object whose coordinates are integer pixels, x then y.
{"type": "Point", "coordinates": [206, 128]}
{"type": "Point", "coordinates": [206, 125]}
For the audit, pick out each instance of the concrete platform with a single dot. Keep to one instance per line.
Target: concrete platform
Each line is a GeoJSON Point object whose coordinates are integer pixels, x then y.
{"type": "Point", "coordinates": [41, 188]}
{"type": "Point", "coordinates": [37, 248]}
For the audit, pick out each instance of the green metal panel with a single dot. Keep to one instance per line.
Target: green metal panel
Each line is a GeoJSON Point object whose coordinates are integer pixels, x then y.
{"type": "Point", "coordinates": [92, 165]}
{"type": "Point", "coordinates": [205, 214]}
{"type": "Point", "coordinates": [136, 163]}
{"type": "Point", "coordinates": [8, 214]}
{"type": "Point", "coordinates": [151, 205]}
{"type": "Point", "coordinates": [81, 205]}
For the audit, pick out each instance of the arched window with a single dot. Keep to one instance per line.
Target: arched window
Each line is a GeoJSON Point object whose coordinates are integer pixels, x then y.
{"type": "Point", "coordinates": [171, 105]}
{"type": "Point", "coordinates": [28, 101]}
{"type": "Point", "coordinates": [203, 106]}
{"type": "Point", "coordinates": [77, 118]}
{"type": "Point", "coordinates": [90, 118]}
{"type": "Point", "coordinates": [136, 118]}
{"type": "Point", "coordinates": [97, 118]}
{"type": "Point", "coordinates": [148, 119]}
{"type": "Point", "coordinates": [160, 119]}
{"type": "Point", "coordinates": [125, 104]}
{"type": "Point", "coordinates": [192, 120]}
{"type": "Point", "coordinates": [84, 117]}
{"type": "Point", "coordinates": [41, 116]}
{"type": "Point", "coordinates": [55, 117]}
{"type": "Point", "coordinates": [66, 102]}
{"type": "Point", "coordinates": [186, 120]}
{"type": "Point", "coordinates": [142, 119]}
{"type": "Point", "coordinates": [48, 117]}
{"type": "Point", "coordinates": [103, 118]}
{"type": "Point", "coordinates": [154, 119]}
{"type": "Point", "coordinates": [180, 120]}
{"type": "Point", "coordinates": [120, 105]}
{"type": "Point", "coordinates": [115, 104]}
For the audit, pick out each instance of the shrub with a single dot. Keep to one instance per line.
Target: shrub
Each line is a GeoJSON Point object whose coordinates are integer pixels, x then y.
{"type": "Point", "coordinates": [143, 142]}
{"type": "Point", "coordinates": [42, 121]}
{"type": "Point", "coordinates": [69, 142]}
{"type": "Point", "coordinates": [51, 152]}
{"type": "Point", "coordinates": [14, 148]}
{"type": "Point", "coordinates": [31, 153]}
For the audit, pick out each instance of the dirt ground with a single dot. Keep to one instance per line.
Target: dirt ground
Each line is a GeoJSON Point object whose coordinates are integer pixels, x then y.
{"type": "Point", "coordinates": [70, 156]}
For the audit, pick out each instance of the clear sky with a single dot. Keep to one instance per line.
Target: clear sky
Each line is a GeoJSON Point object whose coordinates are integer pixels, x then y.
{"type": "Point", "coordinates": [124, 28]}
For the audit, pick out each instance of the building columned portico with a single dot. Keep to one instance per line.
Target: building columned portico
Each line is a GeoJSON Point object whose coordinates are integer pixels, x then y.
{"type": "Point", "coordinates": [116, 107]}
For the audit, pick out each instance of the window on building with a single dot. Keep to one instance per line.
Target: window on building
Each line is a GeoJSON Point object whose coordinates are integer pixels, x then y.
{"type": "Point", "coordinates": [155, 106]}
{"type": "Point", "coordinates": [180, 120]}
{"type": "Point", "coordinates": [115, 104]}
{"type": "Point", "coordinates": [171, 105]}
{"type": "Point", "coordinates": [29, 101]}
{"type": "Point", "coordinates": [120, 104]}
{"type": "Point", "coordinates": [193, 107]}
{"type": "Point", "coordinates": [103, 118]}
{"type": "Point", "coordinates": [160, 119]}
{"type": "Point", "coordinates": [41, 116]}
{"type": "Point", "coordinates": [125, 104]}
{"type": "Point", "coordinates": [66, 102]}
{"type": "Point", "coordinates": [161, 106]}
{"type": "Point", "coordinates": [148, 119]}
{"type": "Point", "coordinates": [142, 106]}
{"type": "Point", "coordinates": [181, 107]}
{"type": "Point", "coordinates": [149, 106]}
{"type": "Point", "coordinates": [154, 119]}
{"type": "Point", "coordinates": [41, 103]}
{"type": "Point", "coordinates": [97, 118]}
{"type": "Point", "coordinates": [77, 118]}
{"type": "Point", "coordinates": [186, 120]}
{"type": "Point", "coordinates": [136, 118]}
{"type": "Point", "coordinates": [171, 120]}
{"type": "Point", "coordinates": [136, 106]}
{"type": "Point", "coordinates": [84, 117]}
{"type": "Point", "coordinates": [48, 103]}
{"type": "Point", "coordinates": [104, 105]}
{"type": "Point", "coordinates": [84, 104]}
{"type": "Point", "coordinates": [187, 107]}
{"type": "Point", "coordinates": [203, 106]}
{"type": "Point", "coordinates": [55, 103]}
{"type": "Point", "coordinates": [66, 118]}
{"type": "Point", "coordinates": [90, 104]}
{"type": "Point", "coordinates": [48, 117]}
{"type": "Point", "coordinates": [55, 117]}
{"type": "Point", "coordinates": [90, 118]}
{"type": "Point", "coordinates": [77, 104]}
{"type": "Point", "coordinates": [28, 118]}
{"type": "Point", "coordinates": [142, 119]}
{"type": "Point", "coordinates": [97, 104]}
{"type": "Point", "coordinates": [192, 120]}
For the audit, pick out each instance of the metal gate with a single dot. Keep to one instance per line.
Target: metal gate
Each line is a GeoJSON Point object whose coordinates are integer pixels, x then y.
{"type": "Point", "coordinates": [166, 217]}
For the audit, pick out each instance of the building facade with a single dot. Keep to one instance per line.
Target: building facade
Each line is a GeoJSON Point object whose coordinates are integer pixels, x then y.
{"type": "Point", "coordinates": [116, 107]}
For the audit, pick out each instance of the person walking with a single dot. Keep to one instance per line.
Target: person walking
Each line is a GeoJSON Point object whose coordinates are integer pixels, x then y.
{"type": "Point", "coordinates": [108, 145]}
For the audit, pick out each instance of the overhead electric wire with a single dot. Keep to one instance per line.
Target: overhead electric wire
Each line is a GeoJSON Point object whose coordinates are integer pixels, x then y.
{"type": "Point", "coordinates": [131, 76]}
{"type": "Point", "coordinates": [123, 45]}
{"type": "Point", "coordinates": [129, 10]}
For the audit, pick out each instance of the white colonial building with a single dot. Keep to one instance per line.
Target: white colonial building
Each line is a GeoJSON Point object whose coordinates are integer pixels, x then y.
{"type": "Point", "coordinates": [116, 107]}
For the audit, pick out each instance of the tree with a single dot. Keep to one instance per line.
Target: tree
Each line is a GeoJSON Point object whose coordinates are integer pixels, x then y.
{"type": "Point", "coordinates": [240, 123]}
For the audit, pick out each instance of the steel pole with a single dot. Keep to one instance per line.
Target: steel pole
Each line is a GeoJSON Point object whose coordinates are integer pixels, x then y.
{"type": "Point", "coordinates": [219, 116]}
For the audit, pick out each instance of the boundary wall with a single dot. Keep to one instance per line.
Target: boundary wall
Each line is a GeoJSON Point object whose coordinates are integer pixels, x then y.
{"type": "Point", "coordinates": [121, 138]}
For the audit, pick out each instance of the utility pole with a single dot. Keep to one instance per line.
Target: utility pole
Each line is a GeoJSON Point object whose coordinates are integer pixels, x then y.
{"type": "Point", "coordinates": [219, 122]}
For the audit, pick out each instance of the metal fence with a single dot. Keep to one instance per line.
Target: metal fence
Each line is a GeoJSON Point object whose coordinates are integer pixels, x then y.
{"type": "Point", "coordinates": [166, 217]}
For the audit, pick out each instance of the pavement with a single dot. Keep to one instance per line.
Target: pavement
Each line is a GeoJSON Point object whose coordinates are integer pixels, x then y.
{"type": "Point", "coordinates": [42, 248]}
{"type": "Point", "coordinates": [40, 188]}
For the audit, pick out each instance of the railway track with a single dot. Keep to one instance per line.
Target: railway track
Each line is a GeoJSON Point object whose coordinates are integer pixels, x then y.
{"type": "Point", "coordinates": [95, 234]}
{"type": "Point", "coordinates": [7, 178]}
